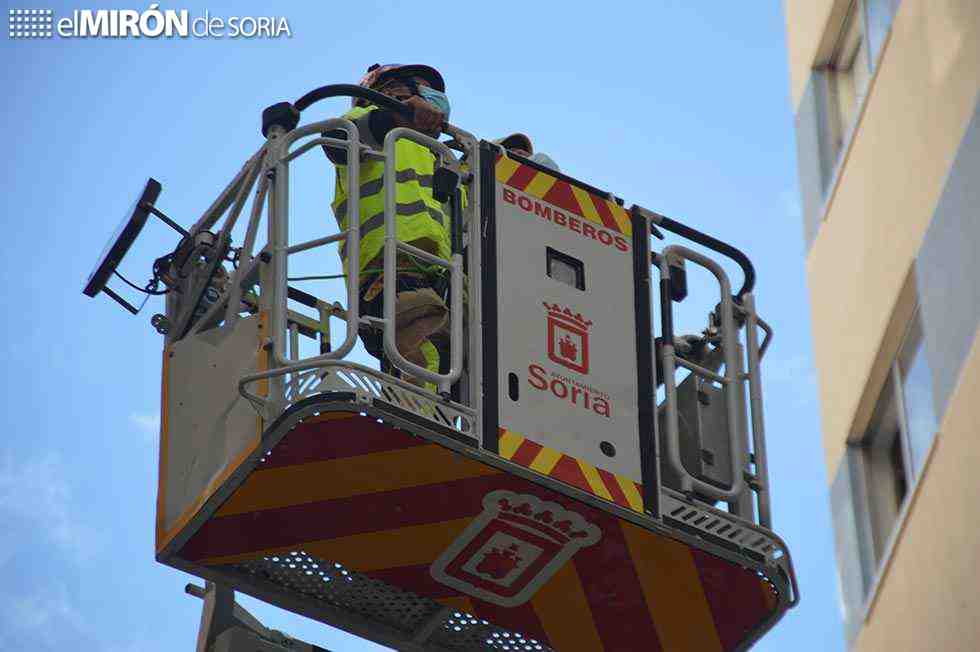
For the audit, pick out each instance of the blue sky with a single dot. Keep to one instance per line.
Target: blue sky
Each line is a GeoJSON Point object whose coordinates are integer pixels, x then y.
{"type": "Point", "coordinates": [682, 107]}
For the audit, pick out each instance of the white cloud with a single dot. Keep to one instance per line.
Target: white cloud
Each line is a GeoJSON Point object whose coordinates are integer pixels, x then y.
{"type": "Point", "coordinates": [36, 499]}
{"type": "Point", "coordinates": [45, 619]}
{"type": "Point", "coordinates": [148, 424]}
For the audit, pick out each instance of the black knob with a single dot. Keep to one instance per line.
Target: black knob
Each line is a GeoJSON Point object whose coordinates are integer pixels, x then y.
{"type": "Point", "coordinates": [282, 114]}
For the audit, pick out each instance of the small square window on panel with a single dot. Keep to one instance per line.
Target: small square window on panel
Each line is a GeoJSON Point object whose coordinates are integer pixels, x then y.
{"type": "Point", "coordinates": [566, 269]}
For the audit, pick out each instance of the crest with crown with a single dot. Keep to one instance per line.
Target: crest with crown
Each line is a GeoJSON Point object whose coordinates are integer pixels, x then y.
{"type": "Point", "coordinates": [568, 337]}
{"type": "Point", "coordinates": [512, 548]}
{"type": "Point", "coordinates": [549, 519]}
{"type": "Point", "coordinates": [575, 319]}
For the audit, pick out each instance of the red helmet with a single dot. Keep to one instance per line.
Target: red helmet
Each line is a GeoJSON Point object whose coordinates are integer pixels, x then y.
{"type": "Point", "coordinates": [378, 74]}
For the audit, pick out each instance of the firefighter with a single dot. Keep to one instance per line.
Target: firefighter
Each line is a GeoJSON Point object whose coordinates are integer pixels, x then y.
{"type": "Point", "coordinates": [520, 144]}
{"type": "Point", "coordinates": [422, 221]}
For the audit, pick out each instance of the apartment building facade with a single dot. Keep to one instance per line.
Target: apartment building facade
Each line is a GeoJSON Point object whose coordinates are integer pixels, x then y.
{"type": "Point", "coordinates": [887, 101]}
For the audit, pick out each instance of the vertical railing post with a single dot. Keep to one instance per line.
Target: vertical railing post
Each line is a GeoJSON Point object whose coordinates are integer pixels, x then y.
{"type": "Point", "coordinates": [393, 246]}
{"type": "Point", "coordinates": [273, 276]}
{"type": "Point", "coordinates": [755, 403]}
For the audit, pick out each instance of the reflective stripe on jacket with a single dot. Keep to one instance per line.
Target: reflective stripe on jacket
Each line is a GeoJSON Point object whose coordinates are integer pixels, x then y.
{"type": "Point", "coordinates": [421, 220]}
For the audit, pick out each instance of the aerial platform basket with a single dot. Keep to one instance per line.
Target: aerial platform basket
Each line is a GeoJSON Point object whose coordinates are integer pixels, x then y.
{"type": "Point", "coordinates": [540, 499]}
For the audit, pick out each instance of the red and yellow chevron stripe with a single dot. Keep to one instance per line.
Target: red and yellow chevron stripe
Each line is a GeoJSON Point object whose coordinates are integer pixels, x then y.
{"type": "Point", "coordinates": [611, 486]}
{"type": "Point", "coordinates": [546, 187]}
{"type": "Point", "coordinates": [386, 504]}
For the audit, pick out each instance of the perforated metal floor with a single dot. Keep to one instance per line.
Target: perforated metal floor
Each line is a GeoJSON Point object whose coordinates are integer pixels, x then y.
{"type": "Point", "coordinates": [387, 605]}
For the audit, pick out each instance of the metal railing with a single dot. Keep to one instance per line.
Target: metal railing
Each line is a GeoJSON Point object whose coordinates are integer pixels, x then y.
{"type": "Point", "coordinates": [393, 247]}
{"type": "Point", "coordinates": [731, 311]}
{"type": "Point", "coordinates": [670, 360]}
{"type": "Point", "coordinates": [269, 267]}
{"type": "Point", "coordinates": [279, 231]}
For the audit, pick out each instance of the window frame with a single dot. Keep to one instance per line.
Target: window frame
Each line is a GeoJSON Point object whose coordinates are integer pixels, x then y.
{"type": "Point", "coordinates": [877, 564]}
{"type": "Point", "coordinates": [821, 158]}
{"type": "Point", "coordinates": [577, 266]}
{"type": "Point", "coordinates": [836, 136]}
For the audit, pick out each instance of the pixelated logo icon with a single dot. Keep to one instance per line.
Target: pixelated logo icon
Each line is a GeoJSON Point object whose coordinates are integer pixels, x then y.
{"type": "Point", "coordinates": [568, 338]}
{"type": "Point", "coordinates": [512, 548]}
{"type": "Point", "coordinates": [30, 23]}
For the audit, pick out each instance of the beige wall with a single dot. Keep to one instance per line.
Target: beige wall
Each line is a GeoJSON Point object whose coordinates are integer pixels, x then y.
{"type": "Point", "coordinates": [934, 603]}
{"type": "Point", "coordinates": [862, 280]}
{"type": "Point", "coordinates": [919, 105]}
{"type": "Point", "coordinates": [805, 23]}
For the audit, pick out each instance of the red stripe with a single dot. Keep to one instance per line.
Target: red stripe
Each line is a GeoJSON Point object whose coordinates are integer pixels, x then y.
{"type": "Point", "coordinates": [734, 595]}
{"type": "Point", "coordinates": [526, 453]}
{"type": "Point", "coordinates": [613, 592]}
{"type": "Point", "coordinates": [604, 213]}
{"type": "Point", "coordinates": [521, 177]}
{"type": "Point", "coordinates": [613, 487]}
{"type": "Point", "coordinates": [568, 470]}
{"type": "Point", "coordinates": [328, 440]}
{"type": "Point", "coordinates": [561, 195]}
{"type": "Point", "coordinates": [416, 579]}
{"type": "Point", "coordinates": [522, 620]}
{"type": "Point", "coordinates": [329, 519]}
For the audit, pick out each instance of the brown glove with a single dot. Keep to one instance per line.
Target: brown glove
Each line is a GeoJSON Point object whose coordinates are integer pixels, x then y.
{"type": "Point", "coordinates": [427, 119]}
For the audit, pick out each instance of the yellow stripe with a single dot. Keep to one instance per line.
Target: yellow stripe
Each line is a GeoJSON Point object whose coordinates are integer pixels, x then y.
{"type": "Point", "coordinates": [406, 546]}
{"type": "Point", "coordinates": [545, 460]}
{"type": "Point", "coordinates": [673, 590]}
{"type": "Point", "coordinates": [564, 613]}
{"type": "Point", "coordinates": [598, 488]}
{"type": "Point", "coordinates": [350, 476]}
{"type": "Point", "coordinates": [508, 444]}
{"type": "Point", "coordinates": [621, 216]}
{"type": "Point", "coordinates": [505, 168]}
{"type": "Point", "coordinates": [633, 496]}
{"type": "Point", "coordinates": [588, 209]}
{"type": "Point", "coordinates": [540, 185]}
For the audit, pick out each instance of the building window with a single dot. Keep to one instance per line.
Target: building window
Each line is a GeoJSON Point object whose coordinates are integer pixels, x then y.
{"type": "Point", "coordinates": [913, 369]}
{"type": "Point", "coordinates": [898, 438]}
{"type": "Point", "coordinates": [847, 73]}
{"type": "Point", "coordinates": [849, 52]}
{"type": "Point", "coordinates": [880, 471]}
{"type": "Point", "coordinates": [884, 454]}
{"type": "Point", "coordinates": [878, 15]}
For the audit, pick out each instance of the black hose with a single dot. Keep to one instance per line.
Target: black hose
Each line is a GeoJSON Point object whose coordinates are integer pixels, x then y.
{"type": "Point", "coordinates": [353, 90]}
{"type": "Point", "coordinates": [717, 245]}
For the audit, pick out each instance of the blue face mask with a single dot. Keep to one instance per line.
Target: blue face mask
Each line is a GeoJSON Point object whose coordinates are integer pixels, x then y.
{"type": "Point", "coordinates": [436, 99]}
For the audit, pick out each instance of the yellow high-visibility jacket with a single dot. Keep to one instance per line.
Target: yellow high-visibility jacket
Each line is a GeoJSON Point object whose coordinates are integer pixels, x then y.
{"type": "Point", "coordinates": [422, 221]}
